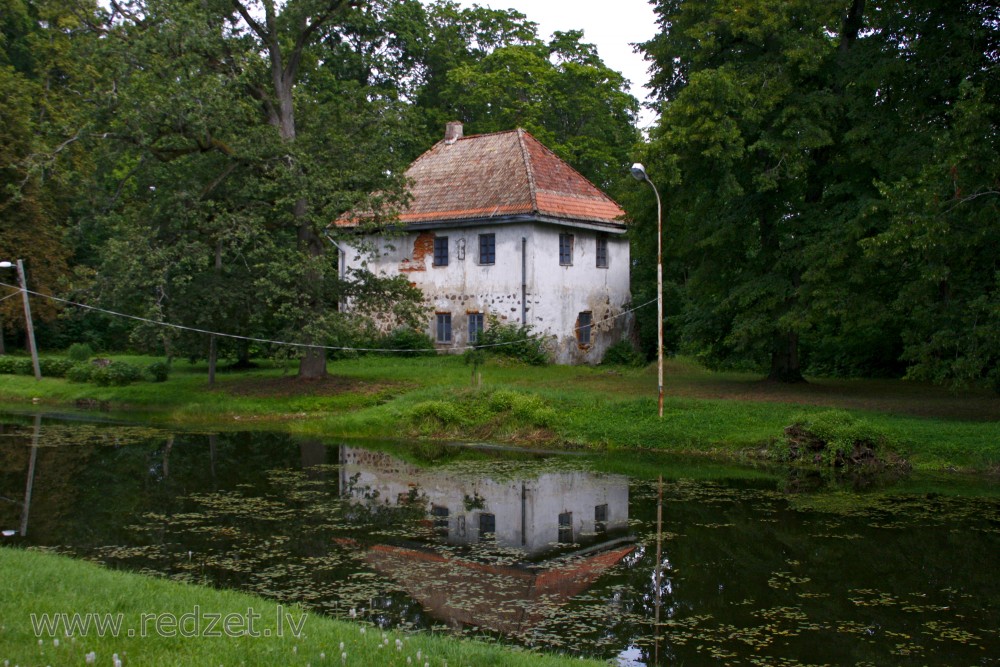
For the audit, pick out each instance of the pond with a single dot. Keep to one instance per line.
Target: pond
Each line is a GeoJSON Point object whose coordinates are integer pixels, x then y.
{"type": "Point", "coordinates": [556, 552]}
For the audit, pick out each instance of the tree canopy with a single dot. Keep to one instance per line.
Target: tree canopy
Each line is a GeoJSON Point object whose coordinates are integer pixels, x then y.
{"type": "Point", "coordinates": [832, 183]}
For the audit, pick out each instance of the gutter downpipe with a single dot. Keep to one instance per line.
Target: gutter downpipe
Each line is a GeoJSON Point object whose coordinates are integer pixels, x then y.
{"type": "Point", "coordinates": [524, 281]}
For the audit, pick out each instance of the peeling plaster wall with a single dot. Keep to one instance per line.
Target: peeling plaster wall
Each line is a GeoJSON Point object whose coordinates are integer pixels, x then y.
{"type": "Point", "coordinates": [556, 294]}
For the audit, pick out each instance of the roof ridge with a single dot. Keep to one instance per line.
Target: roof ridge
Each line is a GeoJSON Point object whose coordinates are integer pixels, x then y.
{"type": "Point", "coordinates": [532, 188]}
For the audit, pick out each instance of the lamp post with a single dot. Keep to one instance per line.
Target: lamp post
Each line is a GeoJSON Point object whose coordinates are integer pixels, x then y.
{"type": "Point", "coordinates": [27, 314]}
{"type": "Point", "coordinates": [639, 173]}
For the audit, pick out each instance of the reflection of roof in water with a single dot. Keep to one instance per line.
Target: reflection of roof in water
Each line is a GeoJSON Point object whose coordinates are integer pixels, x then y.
{"type": "Point", "coordinates": [504, 598]}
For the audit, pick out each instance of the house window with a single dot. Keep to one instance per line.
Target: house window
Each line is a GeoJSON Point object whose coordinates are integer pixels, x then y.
{"type": "Point", "coordinates": [566, 528]}
{"type": "Point", "coordinates": [440, 515]}
{"type": "Point", "coordinates": [475, 326]}
{"type": "Point", "coordinates": [583, 323]}
{"type": "Point", "coordinates": [601, 518]}
{"type": "Point", "coordinates": [487, 525]}
{"type": "Point", "coordinates": [487, 248]}
{"type": "Point", "coordinates": [444, 327]}
{"type": "Point", "coordinates": [566, 249]}
{"type": "Point", "coordinates": [602, 251]}
{"type": "Point", "coordinates": [440, 251]}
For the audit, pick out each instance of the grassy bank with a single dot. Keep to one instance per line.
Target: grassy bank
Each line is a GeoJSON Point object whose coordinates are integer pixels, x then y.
{"type": "Point", "coordinates": [728, 415]}
{"type": "Point", "coordinates": [50, 584]}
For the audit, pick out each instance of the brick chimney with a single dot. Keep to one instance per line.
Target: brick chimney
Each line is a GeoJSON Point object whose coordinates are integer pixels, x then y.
{"type": "Point", "coordinates": [453, 132]}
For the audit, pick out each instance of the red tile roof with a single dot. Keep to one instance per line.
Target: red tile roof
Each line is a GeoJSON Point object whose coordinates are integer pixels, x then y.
{"type": "Point", "coordinates": [486, 176]}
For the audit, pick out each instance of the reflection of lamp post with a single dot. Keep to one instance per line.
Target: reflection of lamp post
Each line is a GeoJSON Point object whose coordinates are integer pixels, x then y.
{"type": "Point", "coordinates": [27, 314]}
{"type": "Point", "coordinates": [639, 173]}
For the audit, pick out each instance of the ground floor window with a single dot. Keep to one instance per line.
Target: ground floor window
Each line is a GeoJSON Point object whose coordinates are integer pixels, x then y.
{"type": "Point", "coordinates": [487, 525]}
{"type": "Point", "coordinates": [566, 528]}
{"type": "Point", "coordinates": [475, 326]}
{"type": "Point", "coordinates": [443, 327]}
{"type": "Point", "coordinates": [583, 324]}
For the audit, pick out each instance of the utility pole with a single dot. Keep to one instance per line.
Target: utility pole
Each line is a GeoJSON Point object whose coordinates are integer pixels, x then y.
{"type": "Point", "coordinates": [23, 283]}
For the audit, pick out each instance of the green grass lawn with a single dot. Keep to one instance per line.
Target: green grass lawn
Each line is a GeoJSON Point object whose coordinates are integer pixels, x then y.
{"type": "Point", "coordinates": [730, 415]}
{"type": "Point", "coordinates": [38, 583]}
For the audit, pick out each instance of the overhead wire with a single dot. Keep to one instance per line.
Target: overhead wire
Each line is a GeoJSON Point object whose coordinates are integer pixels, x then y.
{"type": "Point", "coordinates": [268, 341]}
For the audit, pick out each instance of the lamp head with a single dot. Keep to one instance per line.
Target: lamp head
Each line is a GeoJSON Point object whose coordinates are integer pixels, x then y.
{"type": "Point", "coordinates": [639, 172]}
{"type": "Point", "coordinates": [5, 265]}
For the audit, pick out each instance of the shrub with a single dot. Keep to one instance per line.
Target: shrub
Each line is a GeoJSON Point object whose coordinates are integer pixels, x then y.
{"type": "Point", "coordinates": [514, 341]}
{"type": "Point", "coordinates": [80, 372]}
{"type": "Point", "coordinates": [16, 365]}
{"type": "Point", "coordinates": [116, 374]}
{"type": "Point", "coordinates": [79, 352]}
{"type": "Point", "coordinates": [623, 353]}
{"type": "Point", "coordinates": [55, 368]}
{"type": "Point", "coordinates": [437, 413]}
{"type": "Point", "coordinates": [405, 338]}
{"type": "Point", "coordinates": [835, 438]}
{"type": "Point", "coordinates": [158, 371]}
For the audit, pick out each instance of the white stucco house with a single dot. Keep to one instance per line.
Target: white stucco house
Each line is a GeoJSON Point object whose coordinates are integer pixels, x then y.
{"type": "Point", "coordinates": [497, 224]}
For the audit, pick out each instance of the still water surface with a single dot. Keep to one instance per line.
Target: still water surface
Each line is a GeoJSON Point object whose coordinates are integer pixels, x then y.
{"type": "Point", "coordinates": [548, 551]}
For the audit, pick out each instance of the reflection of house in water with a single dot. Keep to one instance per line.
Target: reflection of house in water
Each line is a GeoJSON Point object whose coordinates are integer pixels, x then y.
{"type": "Point", "coordinates": [522, 566]}
{"type": "Point", "coordinates": [532, 515]}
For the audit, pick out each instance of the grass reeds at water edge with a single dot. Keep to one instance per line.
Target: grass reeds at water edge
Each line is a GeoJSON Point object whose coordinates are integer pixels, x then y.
{"type": "Point", "coordinates": [726, 415]}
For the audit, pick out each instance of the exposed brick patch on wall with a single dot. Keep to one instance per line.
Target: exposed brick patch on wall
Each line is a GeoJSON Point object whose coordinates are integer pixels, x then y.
{"type": "Point", "coordinates": [423, 247]}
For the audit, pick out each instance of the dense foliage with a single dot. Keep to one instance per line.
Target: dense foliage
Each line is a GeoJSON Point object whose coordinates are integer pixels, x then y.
{"type": "Point", "coordinates": [829, 170]}
{"type": "Point", "coordinates": [830, 173]}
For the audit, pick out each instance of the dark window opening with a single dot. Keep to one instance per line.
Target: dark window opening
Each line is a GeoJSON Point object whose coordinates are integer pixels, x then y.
{"type": "Point", "coordinates": [566, 528]}
{"type": "Point", "coordinates": [444, 327]}
{"type": "Point", "coordinates": [440, 515]}
{"type": "Point", "coordinates": [583, 324]}
{"type": "Point", "coordinates": [601, 518]}
{"type": "Point", "coordinates": [440, 251]}
{"type": "Point", "coordinates": [566, 249]}
{"type": "Point", "coordinates": [487, 525]}
{"type": "Point", "coordinates": [602, 251]}
{"type": "Point", "coordinates": [475, 326]}
{"type": "Point", "coordinates": [487, 248]}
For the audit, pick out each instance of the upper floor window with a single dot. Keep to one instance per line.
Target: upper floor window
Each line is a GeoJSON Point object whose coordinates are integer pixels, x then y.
{"type": "Point", "coordinates": [601, 518]}
{"type": "Point", "coordinates": [602, 251]}
{"type": "Point", "coordinates": [444, 327]}
{"type": "Point", "coordinates": [565, 249]}
{"type": "Point", "coordinates": [440, 251]}
{"type": "Point", "coordinates": [475, 326]}
{"type": "Point", "coordinates": [487, 248]}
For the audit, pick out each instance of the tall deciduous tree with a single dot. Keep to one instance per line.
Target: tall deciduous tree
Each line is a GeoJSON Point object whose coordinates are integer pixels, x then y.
{"type": "Point", "coordinates": [233, 145]}
{"type": "Point", "coordinates": [830, 197]}
{"type": "Point", "coordinates": [42, 74]}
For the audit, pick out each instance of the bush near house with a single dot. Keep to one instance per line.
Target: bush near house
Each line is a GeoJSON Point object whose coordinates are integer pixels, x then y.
{"type": "Point", "coordinates": [513, 341]}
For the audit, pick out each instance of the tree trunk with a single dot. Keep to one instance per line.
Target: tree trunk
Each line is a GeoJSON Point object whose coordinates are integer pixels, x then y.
{"type": "Point", "coordinates": [785, 359]}
{"type": "Point", "coordinates": [312, 366]}
{"type": "Point", "coordinates": [281, 114]}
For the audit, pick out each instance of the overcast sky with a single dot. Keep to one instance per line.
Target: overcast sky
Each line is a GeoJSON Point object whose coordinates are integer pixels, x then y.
{"type": "Point", "coordinates": [611, 25]}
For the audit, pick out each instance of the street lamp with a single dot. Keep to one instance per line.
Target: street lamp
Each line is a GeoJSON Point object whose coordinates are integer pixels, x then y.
{"type": "Point", "coordinates": [27, 314]}
{"type": "Point", "coordinates": [639, 173]}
